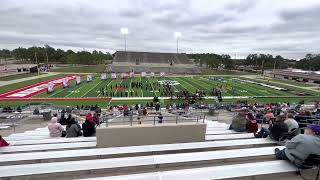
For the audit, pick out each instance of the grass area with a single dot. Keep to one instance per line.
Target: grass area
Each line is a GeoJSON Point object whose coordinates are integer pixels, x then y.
{"type": "Point", "coordinates": [18, 76]}
{"type": "Point", "coordinates": [224, 72]}
{"type": "Point", "coordinates": [292, 82]}
{"type": "Point", "coordinates": [293, 89]}
{"type": "Point", "coordinates": [24, 83]}
{"type": "Point", "coordinates": [81, 69]}
{"type": "Point", "coordinates": [74, 103]}
{"type": "Point", "coordinates": [229, 87]}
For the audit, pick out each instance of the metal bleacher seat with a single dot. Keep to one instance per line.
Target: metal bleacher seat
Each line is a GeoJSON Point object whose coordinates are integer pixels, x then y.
{"type": "Point", "coordinates": [47, 147]}
{"type": "Point", "coordinates": [224, 155]}
{"type": "Point", "coordinates": [29, 153]}
{"type": "Point", "coordinates": [139, 162]}
{"type": "Point", "coordinates": [235, 171]}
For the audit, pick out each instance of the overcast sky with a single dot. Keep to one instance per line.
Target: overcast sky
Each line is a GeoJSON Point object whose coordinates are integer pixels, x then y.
{"type": "Point", "coordinates": [236, 27]}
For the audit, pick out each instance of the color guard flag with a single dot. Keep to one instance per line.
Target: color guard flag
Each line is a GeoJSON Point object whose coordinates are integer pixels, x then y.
{"type": "Point", "coordinates": [65, 82]}
{"type": "Point", "coordinates": [78, 79]}
{"type": "Point", "coordinates": [113, 75]}
{"type": "Point", "coordinates": [103, 76]}
{"type": "Point", "coordinates": [131, 74]}
{"type": "Point", "coordinates": [143, 74]}
{"type": "Point", "coordinates": [50, 87]}
{"type": "Point", "coordinates": [89, 77]}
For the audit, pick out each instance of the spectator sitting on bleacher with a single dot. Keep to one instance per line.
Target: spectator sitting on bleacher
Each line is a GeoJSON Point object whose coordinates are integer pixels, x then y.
{"type": "Point", "coordinates": [139, 111]}
{"type": "Point", "coordinates": [36, 111]}
{"type": "Point", "coordinates": [291, 123]}
{"type": "Point", "coordinates": [157, 107]}
{"type": "Point", "coordinates": [160, 117]}
{"type": "Point", "coordinates": [89, 117]}
{"type": "Point", "coordinates": [63, 111]}
{"type": "Point", "coordinates": [19, 109]}
{"type": "Point", "coordinates": [55, 128]}
{"type": "Point", "coordinates": [73, 129]}
{"type": "Point", "coordinates": [300, 147]}
{"type": "Point", "coordinates": [68, 110]}
{"type": "Point", "coordinates": [268, 116]}
{"type": "Point", "coordinates": [63, 120]}
{"type": "Point", "coordinates": [239, 121]}
{"type": "Point", "coordinates": [275, 131]}
{"type": "Point", "coordinates": [88, 128]}
{"type": "Point", "coordinates": [252, 124]}
{"type": "Point", "coordinates": [144, 111]}
{"type": "Point", "coordinates": [3, 142]}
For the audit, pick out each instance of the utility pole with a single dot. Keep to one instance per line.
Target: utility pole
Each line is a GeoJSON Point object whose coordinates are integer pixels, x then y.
{"type": "Point", "coordinates": [35, 54]}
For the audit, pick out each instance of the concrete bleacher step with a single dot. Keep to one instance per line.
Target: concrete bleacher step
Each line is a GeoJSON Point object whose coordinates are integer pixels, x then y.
{"type": "Point", "coordinates": [34, 157]}
{"type": "Point", "coordinates": [138, 163]}
{"type": "Point", "coordinates": [46, 133]}
{"type": "Point", "coordinates": [229, 136]}
{"type": "Point", "coordinates": [226, 144]}
{"type": "Point", "coordinates": [237, 171]}
{"type": "Point", "coordinates": [23, 138]}
{"type": "Point", "coordinates": [210, 136]}
{"type": "Point", "coordinates": [221, 131]}
{"type": "Point", "coordinates": [52, 141]}
{"type": "Point", "coordinates": [47, 147]}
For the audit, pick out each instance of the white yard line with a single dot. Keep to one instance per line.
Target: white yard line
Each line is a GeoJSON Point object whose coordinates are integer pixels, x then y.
{"type": "Point", "coordinates": [115, 92]}
{"type": "Point", "coordinates": [130, 87]}
{"type": "Point", "coordinates": [180, 84]}
{"type": "Point", "coordinates": [80, 86]}
{"type": "Point", "coordinates": [106, 85]}
{"type": "Point", "coordinates": [60, 91]}
{"type": "Point", "coordinates": [152, 87]}
{"type": "Point", "coordinates": [141, 87]}
{"type": "Point", "coordinates": [56, 92]}
{"type": "Point", "coordinates": [92, 88]}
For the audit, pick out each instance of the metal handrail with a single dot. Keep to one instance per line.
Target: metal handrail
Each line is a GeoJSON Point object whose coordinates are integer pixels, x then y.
{"type": "Point", "coordinates": [153, 120]}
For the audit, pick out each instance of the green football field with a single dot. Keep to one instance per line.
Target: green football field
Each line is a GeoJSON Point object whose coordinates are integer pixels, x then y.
{"type": "Point", "coordinates": [122, 87]}
{"type": "Point", "coordinates": [120, 91]}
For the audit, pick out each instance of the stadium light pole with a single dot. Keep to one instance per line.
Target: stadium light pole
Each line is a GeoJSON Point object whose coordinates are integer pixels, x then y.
{"type": "Point", "coordinates": [124, 31]}
{"type": "Point", "coordinates": [177, 35]}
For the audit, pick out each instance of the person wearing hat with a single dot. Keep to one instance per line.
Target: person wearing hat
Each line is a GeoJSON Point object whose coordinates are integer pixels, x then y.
{"type": "Point", "coordinates": [301, 146]}
{"type": "Point", "coordinates": [239, 121]}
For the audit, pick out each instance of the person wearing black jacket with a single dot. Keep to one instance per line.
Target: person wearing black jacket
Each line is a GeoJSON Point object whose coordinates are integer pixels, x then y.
{"type": "Point", "coordinates": [157, 107]}
{"type": "Point", "coordinates": [275, 131]}
{"type": "Point", "coordinates": [88, 128]}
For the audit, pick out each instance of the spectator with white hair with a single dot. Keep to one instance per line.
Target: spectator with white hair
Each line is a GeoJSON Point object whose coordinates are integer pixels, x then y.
{"type": "Point", "coordinates": [55, 128]}
{"type": "Point", "coordinates": [292, 124]}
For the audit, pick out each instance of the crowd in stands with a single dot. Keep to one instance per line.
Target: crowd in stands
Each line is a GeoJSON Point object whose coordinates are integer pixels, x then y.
{"type": "Point", "coordinates": [280, 124]}
{"type": "Point", "coordinates": [9, 109]}
{"type": "Point", "coordinates": [73, 128]}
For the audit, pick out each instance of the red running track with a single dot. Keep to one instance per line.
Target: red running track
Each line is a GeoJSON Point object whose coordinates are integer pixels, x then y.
{"type": "Point", "coordinates": [24, 88]}
{"type": "Point", "coordinates": [55, 99]}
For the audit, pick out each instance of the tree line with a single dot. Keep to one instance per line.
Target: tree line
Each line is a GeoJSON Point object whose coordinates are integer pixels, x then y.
{"type": "Point", "coordinates": [51, 55]}
{"type": "Point", "coordinates": [255, 61]}
{"type": "Point", "coordinates": [211, 60]}
{"type": "Point", "coordinates": [310, 62]}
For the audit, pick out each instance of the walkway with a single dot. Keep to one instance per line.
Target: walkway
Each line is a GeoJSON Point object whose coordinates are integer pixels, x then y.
{"type": "Point", "coordinates": [270, 79]}
{"type": "Point", "coordinates": [4, 83]}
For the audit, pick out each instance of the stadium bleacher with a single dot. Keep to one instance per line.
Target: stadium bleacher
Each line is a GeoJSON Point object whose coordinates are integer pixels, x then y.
{"type": "Point", "coordinates": [153, 62]}
{"type": "Point", "coordinates": [70, 158]}
{"type": "Point", "coordinates": [151, 57]}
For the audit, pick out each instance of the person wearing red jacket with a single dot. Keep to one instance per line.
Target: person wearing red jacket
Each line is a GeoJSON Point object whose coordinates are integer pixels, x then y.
{"type": "Point", "coordinates": [3, 142]}
{"type": "Point", "coordinates": [89, 117]}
